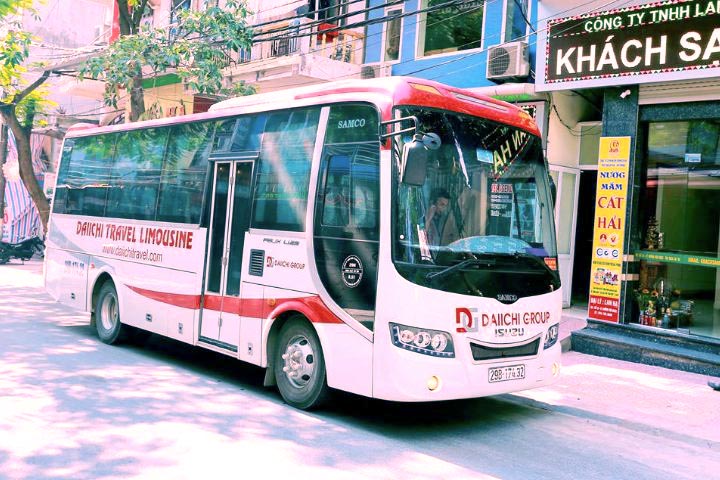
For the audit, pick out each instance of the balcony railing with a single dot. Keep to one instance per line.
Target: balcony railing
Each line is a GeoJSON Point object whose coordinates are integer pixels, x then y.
{"type": "Point", "coordinates": [324, 40]}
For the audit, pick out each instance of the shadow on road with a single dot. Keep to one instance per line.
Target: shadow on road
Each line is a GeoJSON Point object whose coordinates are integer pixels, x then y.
{"type": "Point", "coordinates": [73, 407]}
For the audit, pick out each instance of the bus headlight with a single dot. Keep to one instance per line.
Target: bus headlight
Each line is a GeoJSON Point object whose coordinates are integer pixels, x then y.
{"type": "Point", "coordinates": [552, 336]}
{"type": "Point", "coordinates": [422, 340]}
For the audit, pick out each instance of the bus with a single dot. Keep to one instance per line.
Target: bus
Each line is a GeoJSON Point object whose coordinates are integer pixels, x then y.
{"type": "Point", "coordinates": [391, 237]}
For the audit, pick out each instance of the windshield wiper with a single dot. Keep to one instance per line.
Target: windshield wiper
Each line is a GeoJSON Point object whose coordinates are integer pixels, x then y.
{"type": "Point", "coordinates": [534, 258]}
{"type": "Point", "coordinates": [458, 266]}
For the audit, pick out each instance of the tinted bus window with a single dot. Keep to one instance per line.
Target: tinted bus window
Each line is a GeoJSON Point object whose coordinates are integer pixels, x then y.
{"type": "Point", "coordinates": [184, 171]}
{"type": "Point", "coordinates": [351, 198]}
{"type": "Point", "coordinates": [242, 134]}
{"type": "Point", "coordinates": [352, 123]}
{"type": "Point", "coordinates": [61, 187]}
{"type": "Point", "coordinates": [136, 174]}
{"type": "Point", "coordinates": [84, 177]}
{"type": "Point", "coordinates": [284, 170]}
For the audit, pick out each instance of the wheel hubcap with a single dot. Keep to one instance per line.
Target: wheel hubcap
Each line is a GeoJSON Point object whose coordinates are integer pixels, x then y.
{"type": "Point", "coordinates": [299, 361]}
{"type": "Point", "coordinates": [109, 312]}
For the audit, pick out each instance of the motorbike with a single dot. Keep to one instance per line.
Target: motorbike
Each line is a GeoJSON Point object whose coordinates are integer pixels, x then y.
{"type": "Point", "coordinates": [22, 250]}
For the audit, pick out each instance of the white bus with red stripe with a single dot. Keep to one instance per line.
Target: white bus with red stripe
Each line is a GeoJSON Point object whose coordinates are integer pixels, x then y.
{"type": "Point", "coordinates": [392, 237]}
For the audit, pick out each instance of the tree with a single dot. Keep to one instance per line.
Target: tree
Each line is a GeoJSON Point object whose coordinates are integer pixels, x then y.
{"type": "Point", "coordinates": [8, 7]}
{"type": "Point", "coordinates": [21, 99]}
{"type": "Point", "coordinates": [196, 48]}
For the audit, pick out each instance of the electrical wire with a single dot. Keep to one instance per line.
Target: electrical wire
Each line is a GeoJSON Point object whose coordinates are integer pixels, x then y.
{"type": "Point", "coordinates": [417, 12]}
{"type": "Point", "coordinates": [474, 52]}
{"type": "Point", "coordinates": [306, 15]}
{"type": "Point", "coordinates": [456, 59]}
{"type": "Point", "coordinates": [365, 23]}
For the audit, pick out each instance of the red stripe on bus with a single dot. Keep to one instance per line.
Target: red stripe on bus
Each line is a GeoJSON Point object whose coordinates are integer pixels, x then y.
{"type": "Point", "coordinates": [311, 306]}
{"type": "Point", "coordinates": [226, 304]}
{"type": "Point", "coordinates": [177, 299]}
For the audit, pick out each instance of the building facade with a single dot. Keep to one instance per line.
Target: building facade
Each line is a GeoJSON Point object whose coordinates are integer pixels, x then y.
{"type": "Point", "coordinates": [642, 79]}
{"type": "Point", "coordinates": [451, 41]}
{"type": "Point", "coordinates": [295, 44]}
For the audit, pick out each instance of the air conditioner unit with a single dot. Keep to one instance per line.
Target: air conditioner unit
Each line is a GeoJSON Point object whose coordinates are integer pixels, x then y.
{"type": "Point", "coordinates": [376, 71]}
{"type": "Point", "coordinates": [509, 60]}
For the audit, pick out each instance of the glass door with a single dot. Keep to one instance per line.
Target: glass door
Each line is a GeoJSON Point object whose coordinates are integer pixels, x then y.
{"type": "Point", "coordinates": [566, 184]}
{"type": "Point", "coordinates": [679, 284]}
{"type": "Point", "coordinates": [229, 221]}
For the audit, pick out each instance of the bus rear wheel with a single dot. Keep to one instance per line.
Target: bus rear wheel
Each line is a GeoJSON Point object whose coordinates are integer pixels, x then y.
{"type": "Point", "coordinates": [300, 366]}
{"type": "Point", "coordinates": [107, 315]}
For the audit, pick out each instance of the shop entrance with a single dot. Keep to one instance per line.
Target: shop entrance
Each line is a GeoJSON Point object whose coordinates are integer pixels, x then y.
{"type": "Point", "coordinates": [584, 238]}
{"type": "Point", "coordinates": [679, 284]}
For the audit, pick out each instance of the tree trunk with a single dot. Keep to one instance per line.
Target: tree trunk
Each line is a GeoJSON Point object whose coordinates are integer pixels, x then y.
{"type": "Point", "coordinates": [137, 98]}
{"type": "Point", "coordinates": [3, 155]}
{"type": "Point", "coordinates": [129, 25]}
{"type": "Point", "coordinates": [27, 174]}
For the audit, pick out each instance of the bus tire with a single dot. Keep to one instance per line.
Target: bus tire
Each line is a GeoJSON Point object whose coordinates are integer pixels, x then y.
{"type": "Point", "coordinates": [299, 365]}
{"type": "Point", "coordinates": [107, 315]}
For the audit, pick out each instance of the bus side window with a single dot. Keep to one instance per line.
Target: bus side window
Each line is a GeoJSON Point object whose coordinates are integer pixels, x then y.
{"type": "Point", "coordinates": [60, 197]}
{"type": "Point", "coordinates": [281, 191]}
{"type": "Point", "coordinates": [336, 204]}
{"type": "Point", "coordinates": [350, 199]}
{"type": "Point", "coordinates": [182, 181]}
{"type": "Point", "coordinates": [86, 176]}
{"type": "Point", "coordinates": [366, 194]}
{"type": "Point", "coordinates": [240, 135]}
{"type": "Point", "coordinates": [136, 174]}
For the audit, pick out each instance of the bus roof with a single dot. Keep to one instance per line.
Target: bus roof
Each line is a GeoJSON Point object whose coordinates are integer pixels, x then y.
{"type": "Point", "coordinates": [387, 91]}
{"type": "Point", "coordinates": [402, 91]}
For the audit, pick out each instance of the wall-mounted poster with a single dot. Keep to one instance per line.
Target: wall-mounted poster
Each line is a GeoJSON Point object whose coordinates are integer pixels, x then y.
{"type": "Point", "coordinates": [609, 230]}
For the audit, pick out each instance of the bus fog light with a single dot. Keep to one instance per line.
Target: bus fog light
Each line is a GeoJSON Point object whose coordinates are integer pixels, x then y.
{"type": "Point", "coordinates": [555, 369]}
{"type": "Point", "coordinates": [433, 383]}
{"type": "Point", "coordinates": [435, 343]}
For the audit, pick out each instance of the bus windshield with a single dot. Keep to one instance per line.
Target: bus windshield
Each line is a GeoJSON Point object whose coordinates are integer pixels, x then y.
{"type": "Point", "coordinates": [482, 222]}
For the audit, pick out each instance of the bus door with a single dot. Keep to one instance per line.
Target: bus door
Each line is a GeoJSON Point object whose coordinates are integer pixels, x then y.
{"type": "Point", "coordinates": [229, 221]}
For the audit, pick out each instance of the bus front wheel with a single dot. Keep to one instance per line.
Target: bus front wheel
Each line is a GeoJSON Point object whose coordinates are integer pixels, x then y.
{"type": "Point", "coordinates": [300, 366]}
{"type": "Point", "coordinates": [107, 315]}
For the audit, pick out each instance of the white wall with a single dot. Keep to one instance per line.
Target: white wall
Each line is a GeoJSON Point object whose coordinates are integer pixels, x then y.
{"type": "Point", "coordinates": [563, 140]}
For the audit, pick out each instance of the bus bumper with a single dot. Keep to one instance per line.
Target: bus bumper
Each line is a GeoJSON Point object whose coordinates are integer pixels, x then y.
{"type": "Point", "coordinates": [411, 377]}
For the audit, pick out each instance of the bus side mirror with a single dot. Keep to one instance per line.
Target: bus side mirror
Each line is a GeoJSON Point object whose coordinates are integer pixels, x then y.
{"type": "Point", "coordinates": [414, 162]}
{"type": "Point", "coordinates": [553, 190]}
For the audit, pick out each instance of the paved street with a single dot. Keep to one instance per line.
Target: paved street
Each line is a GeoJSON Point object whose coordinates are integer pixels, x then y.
{"type": "Point", "coordinates": [74, 408]}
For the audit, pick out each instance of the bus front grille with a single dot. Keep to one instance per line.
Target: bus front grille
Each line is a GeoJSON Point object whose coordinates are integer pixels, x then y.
{"type": "Point", "coordinates": [484, 352]}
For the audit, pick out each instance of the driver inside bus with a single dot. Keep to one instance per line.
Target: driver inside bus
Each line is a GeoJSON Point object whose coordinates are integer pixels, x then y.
{"type": "Point", "coordinates": [440, 224]}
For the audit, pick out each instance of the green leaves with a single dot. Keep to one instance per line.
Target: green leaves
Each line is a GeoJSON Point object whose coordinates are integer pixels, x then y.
{"type": "Point", "coordinates": [9, 7]}
{"type": "Point", "coordinates": [196, 48]}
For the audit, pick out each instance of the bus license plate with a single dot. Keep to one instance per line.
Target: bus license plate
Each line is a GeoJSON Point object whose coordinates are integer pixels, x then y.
{"type": "Point", "coordinates": [502, 374]}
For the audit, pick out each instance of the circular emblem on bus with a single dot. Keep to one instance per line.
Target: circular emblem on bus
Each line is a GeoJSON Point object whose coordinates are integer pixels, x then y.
{"type": "Point", "coordinates": [352, 271]}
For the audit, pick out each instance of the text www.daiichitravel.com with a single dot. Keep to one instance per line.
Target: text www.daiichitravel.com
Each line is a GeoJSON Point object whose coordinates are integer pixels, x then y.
{"type": "Point", "coordinates": [133, 253]}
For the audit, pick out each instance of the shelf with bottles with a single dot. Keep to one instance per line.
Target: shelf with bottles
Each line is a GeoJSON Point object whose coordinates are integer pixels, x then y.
{"type": "Point", "coordinates": [663, 306]}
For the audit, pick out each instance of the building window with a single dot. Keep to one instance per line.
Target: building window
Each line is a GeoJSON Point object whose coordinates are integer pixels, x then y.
{"type": "Point", "coordinates": [393, 32]}
{"type": "Point", "coordinates": [206, 4]}
{"type": "Point", "coordinates": [517, 18]}
{"type": "Point", "coordinates": [679, 286]}
{"type": "Point", "coordinates": [451, 28]}
{"type": "Point", "coordinates": [327, 11]}
{"type": "Point", "coordinates": [176, 7]}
